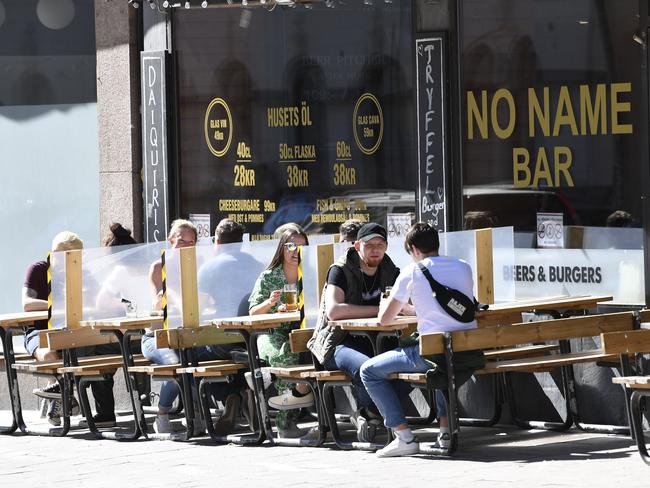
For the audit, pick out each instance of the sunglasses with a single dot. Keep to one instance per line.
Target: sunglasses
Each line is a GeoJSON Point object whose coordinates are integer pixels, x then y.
{"type": "Point", "coordinates": [291, 246]}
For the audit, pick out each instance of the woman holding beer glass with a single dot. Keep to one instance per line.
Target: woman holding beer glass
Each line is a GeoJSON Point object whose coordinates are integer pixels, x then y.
{"type": "Point", "coordinates": [276, 291]}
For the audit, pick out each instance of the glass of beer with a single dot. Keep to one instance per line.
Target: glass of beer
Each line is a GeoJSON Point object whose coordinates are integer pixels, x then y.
{"type": "Point", "coordinates": [290, 297]}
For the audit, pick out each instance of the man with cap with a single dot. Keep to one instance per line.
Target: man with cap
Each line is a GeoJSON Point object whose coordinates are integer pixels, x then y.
{"type": "Point", "coordinates": [354, 287]}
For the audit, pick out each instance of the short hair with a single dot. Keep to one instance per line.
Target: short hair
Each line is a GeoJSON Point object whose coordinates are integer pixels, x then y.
{"type": "Point", "coordinates": [292, 226]}
{"type": "Point", "coordinates": [66, 241]}
{"type": "Point", "coordinates": [620, 218]}
{"type": "Point", "coordinates": [229, 231]}
{"type": "Point", "coordinates": [349, 229]}
{"type": "Point", "coordinates": [178, 225]}
{"type": "Point", "coordinates": [480, 219]}
{"type": "Point", "coordinates": [422, 236]}
{"type": "Point", "coordinates": [118, 236]}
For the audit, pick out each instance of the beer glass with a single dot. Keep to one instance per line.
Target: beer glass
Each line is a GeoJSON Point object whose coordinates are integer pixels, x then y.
{"type": "Point", "coordinates": [290, 297]}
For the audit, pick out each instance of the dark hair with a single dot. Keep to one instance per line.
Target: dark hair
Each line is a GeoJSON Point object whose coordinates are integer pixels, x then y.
{"type": "Point", "coordinates": [349, 229]}
{"type": "Point", "coordinates": [229, 231]}
{"type": "Point", "coordinates": [422, 236]}
{"type": "Point", "coordinates": [278, 257]}
{"type": "Point", "coordinates": [620, 218]}
{"type": "Point", "coordinates": [118, 236]}
{"type": "Point", "coordinates": [480, 219]}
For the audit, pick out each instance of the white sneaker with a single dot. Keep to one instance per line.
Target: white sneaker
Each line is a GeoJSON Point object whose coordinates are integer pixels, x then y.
{"type": "Point", "coordinates": [444, 439]}
{"type": "Point", "coordinates": [399, 448]}
{"type": "Point", "coordinates": [266, 378]}
{"type": "Point", "coordinates": [287, 401]}
{"type": "Point", "coordinates": [162, 425]}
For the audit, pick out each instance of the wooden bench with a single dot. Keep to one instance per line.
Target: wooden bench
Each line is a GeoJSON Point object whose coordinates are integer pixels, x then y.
{"type": "Point", "coordinates": [638, 387]}
{"type": "Point", "coordinates": [522, 334]}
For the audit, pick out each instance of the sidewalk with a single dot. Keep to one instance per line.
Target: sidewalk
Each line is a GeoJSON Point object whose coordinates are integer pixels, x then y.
{"type": "Point", "coordinates": [489, 457]}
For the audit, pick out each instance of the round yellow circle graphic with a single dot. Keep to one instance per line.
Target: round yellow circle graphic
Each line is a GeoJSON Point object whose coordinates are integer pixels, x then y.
{"type": "Point", "coordinates": [206, 127]}
{"type": "Point", "coordinates": [372, 99]}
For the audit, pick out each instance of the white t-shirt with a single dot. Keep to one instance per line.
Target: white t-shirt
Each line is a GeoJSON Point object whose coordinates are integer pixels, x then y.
{"type": "Point", "coordinates": [411, 283]}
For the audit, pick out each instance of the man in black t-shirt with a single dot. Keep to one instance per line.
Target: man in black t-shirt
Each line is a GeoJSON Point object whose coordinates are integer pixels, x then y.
{"type": "Point", "coordinates": [354, 287]}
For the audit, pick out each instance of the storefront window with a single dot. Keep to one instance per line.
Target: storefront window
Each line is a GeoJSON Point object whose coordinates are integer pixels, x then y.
{"type": "Point", "coordinates": [551, 106]}
{"type": "Point", "coordinates": [296, 114]}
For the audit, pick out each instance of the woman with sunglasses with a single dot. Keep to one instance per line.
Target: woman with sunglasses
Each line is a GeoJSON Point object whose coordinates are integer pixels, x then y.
{"type": "Point", "coordinates": [274, 347]}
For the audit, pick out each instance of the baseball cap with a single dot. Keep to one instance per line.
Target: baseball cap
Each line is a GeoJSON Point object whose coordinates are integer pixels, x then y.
{"type": "Point", "coordinates": [370, 231]}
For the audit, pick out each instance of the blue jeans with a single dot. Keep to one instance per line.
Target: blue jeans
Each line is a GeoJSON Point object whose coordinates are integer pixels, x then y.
{"type": "Point", "coordinates": [375, 372]}
{"type": "Point", "coordinates": [169, 389]}
{"type": "Point", "coordinates": [349, 356]}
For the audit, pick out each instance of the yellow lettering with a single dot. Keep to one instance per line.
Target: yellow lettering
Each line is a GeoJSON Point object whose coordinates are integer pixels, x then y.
{"type": "Point", "coordinates": [562, 118]}
{"type": "Point", "coordinates": [474, 114]}
{"type": "Point", "coordinates": [535, 111]}
{"type": "Point", "coordinates": [503, 94]}
{"type": "Point", "coordinates": [542, 170]}
{"type": "Point", "coordinates": [520, 161]}
{"type": "Point", "coordinates": [563, 161]}
{"type": "Point", "coordinates": [593, 112]}
{"type": "Point", "coordinates": [618, 107]}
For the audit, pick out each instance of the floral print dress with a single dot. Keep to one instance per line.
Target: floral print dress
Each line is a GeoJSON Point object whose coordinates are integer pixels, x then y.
{"type": "Point", "coordinates": [274, 348]}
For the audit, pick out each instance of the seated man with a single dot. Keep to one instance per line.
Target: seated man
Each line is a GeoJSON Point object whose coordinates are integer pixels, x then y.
{"type": "Point", "coordinates": [34, 298]}
{"type": "Point", "coordinates": [422, 243]}
{"type": "Point", "coordinates": [353, 290]}
{"type": "Point", "coordinates": [182, 234]}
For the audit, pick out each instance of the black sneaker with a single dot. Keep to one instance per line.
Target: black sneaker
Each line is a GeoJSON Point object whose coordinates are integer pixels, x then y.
{"type": "Point", "coordinates": [54, 411]}
{"type": "Point", "coordinates": [53, 391]}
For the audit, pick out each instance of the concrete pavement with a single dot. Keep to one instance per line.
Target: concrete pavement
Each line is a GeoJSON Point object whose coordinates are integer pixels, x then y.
{"type": "Point", "coordinates": [488, 457]}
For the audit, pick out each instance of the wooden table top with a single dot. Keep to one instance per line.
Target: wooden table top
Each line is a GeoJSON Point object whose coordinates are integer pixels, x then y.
{"type": "Point", "coordinates": [21, 318]}
{"type": "Point", "coordinates": [372, 323]}
{"type": "Point", "coordinates": [261, 321]}
{"type": "Point", "coordinates": [510, 312]}
{"type": "Point", "coordinates": [123, 323]}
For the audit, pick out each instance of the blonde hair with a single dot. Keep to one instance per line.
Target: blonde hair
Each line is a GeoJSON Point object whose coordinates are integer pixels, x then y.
{"type": "Point", "coordinates": [66, 241]}
{"type": "Point", "coordinates": [180, 224]}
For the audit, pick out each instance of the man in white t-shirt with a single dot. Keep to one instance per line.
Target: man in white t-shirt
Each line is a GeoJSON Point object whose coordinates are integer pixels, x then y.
{"type": "Point", "coordinates": [422, 243]}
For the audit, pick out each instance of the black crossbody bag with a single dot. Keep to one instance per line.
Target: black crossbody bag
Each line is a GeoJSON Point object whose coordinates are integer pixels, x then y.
{"type": "Point", "coordinates": [458, 305]}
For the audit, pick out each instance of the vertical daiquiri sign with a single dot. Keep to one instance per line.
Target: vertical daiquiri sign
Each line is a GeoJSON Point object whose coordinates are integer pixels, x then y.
{"type": "Point", "coordinates": [430, 59]}
{"type": "Point", "coordinates": [154, 144]}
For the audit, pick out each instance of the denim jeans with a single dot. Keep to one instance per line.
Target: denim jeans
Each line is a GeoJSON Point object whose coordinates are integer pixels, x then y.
{"type": "Point", "coordinates": [375, 372]}
{"type": "Point", "coordinates": [169, 390]}
{"type": "Point", "coordinates": [349, 356]}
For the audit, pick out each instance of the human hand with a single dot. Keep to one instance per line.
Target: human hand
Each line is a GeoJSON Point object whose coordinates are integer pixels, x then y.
{"type": "Point", "coordinates": [407, 309]}
{"type": "Point", "coordinates": [158, 301]}
{"type": "Point", "coordinates": [274, 297]}
{"type": "Point", "coordinates": [282, 308]}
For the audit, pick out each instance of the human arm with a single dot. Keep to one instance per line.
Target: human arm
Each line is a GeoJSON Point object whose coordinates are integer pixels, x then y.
{"type": "Point", "coordinates": [30, 302]}
{"type": "Point", "coordinates": [388, 310]}
{"type": "Point", "coordinates": [398, 301]}
{"type": "Point", "coordinates": [337, 309]}
{"type": "Point", "coordinates": [264, 296]}
{"type": "Point", "coordinates": [155, 284]}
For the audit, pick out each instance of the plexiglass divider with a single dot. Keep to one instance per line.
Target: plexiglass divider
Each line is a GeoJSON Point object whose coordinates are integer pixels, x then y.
{"type": "Point", "coordinates": [227, 273]}
{"type": "Point", "coordinates": [112, 277]}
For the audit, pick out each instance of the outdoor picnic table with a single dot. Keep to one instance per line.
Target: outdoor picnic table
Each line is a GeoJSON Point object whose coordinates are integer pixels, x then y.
{"type": "Point", "coordinates": [124, 328]}
{"type": "Point", "coordinates": [8, 322]}
{"type": "Point", "coordinates": [374, 331]}
{"type": "Point", "coordinates": [250, 327]}
{"type": "Point", "coordinates": [510, 312]}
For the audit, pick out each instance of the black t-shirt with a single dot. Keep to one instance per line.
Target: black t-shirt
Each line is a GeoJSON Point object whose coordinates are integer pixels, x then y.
{"type": "Point", "coordinates": [370, 289]}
